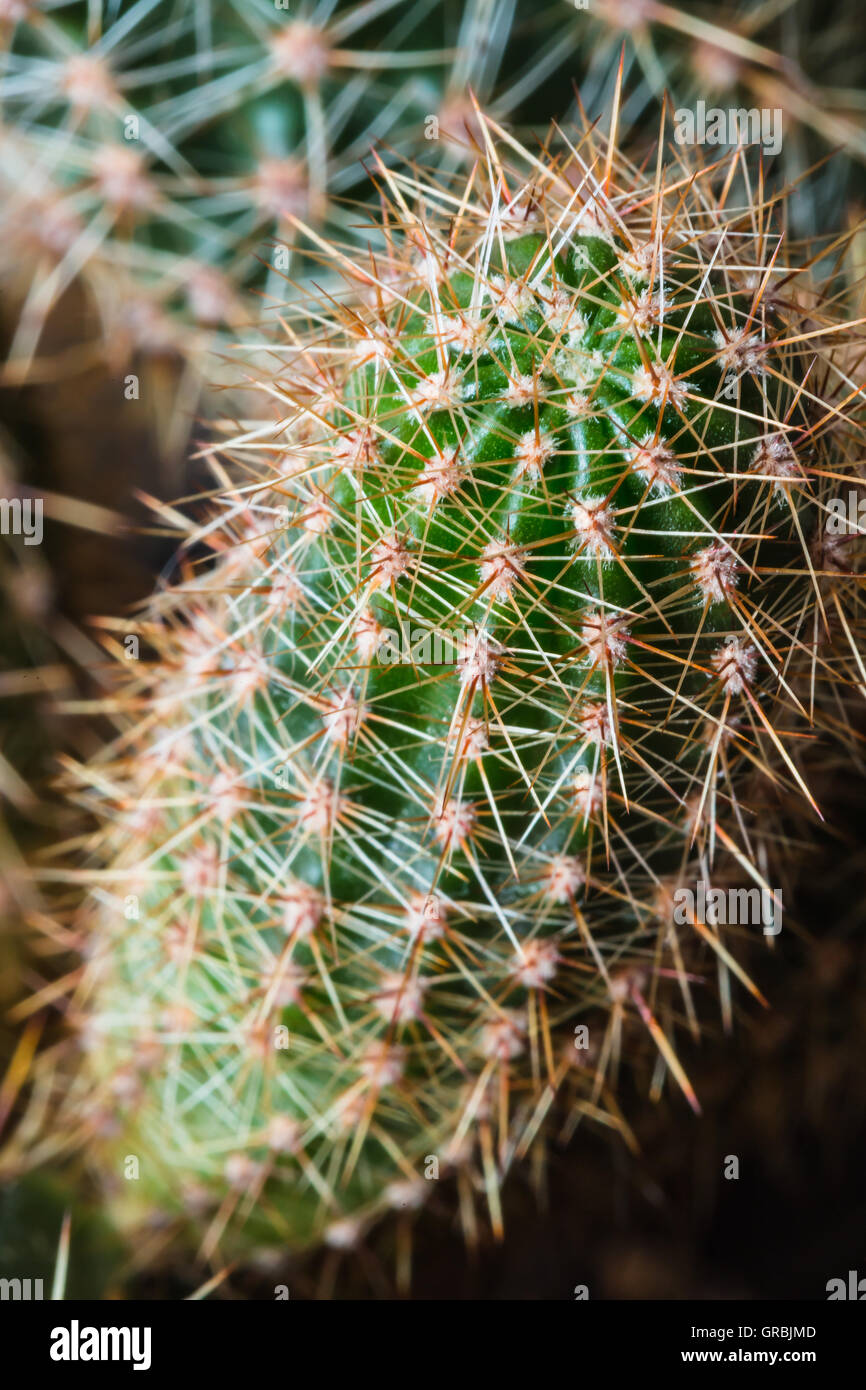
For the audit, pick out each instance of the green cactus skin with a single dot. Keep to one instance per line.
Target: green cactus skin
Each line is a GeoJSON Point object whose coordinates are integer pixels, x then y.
{"type": "Point", "coordinates": [350, 910]}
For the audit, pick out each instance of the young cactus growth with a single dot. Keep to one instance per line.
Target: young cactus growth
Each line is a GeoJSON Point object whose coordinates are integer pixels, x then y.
{"type": "Point", "coordinates": [518, 585]}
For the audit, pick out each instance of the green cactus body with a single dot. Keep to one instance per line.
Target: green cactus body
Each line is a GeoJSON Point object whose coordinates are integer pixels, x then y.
{"type": "Point", "coordinates": [504, 601]}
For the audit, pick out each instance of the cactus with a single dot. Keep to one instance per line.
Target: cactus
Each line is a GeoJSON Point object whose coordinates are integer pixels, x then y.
{"type": "Point", "coordinates": [797, 61]}
{"type": "Point", "coordinates": [160, 155]}
{"type": "Point", "coordinates": [520, 587]}
{"type": "Point", "coordinates": [162, 158]}
{"type": "Point", "coordinates": [156, 156]}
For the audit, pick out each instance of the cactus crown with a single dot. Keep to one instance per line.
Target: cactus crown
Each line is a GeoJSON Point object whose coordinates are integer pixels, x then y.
{"type": "Point", "coordinates": [515, 590]}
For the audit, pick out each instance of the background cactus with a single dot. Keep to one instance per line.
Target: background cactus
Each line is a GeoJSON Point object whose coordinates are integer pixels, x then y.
{"type": "Point", "coordinates": [159, 151]}
{"type": "Point", "coordinates": [575, 424]}
{"type": "Point", "coordinates": [798, 57]}
{"type": "Point", "coordinates": [155, 154]}
{"type": "Point", "coordinates": [166, 152]}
